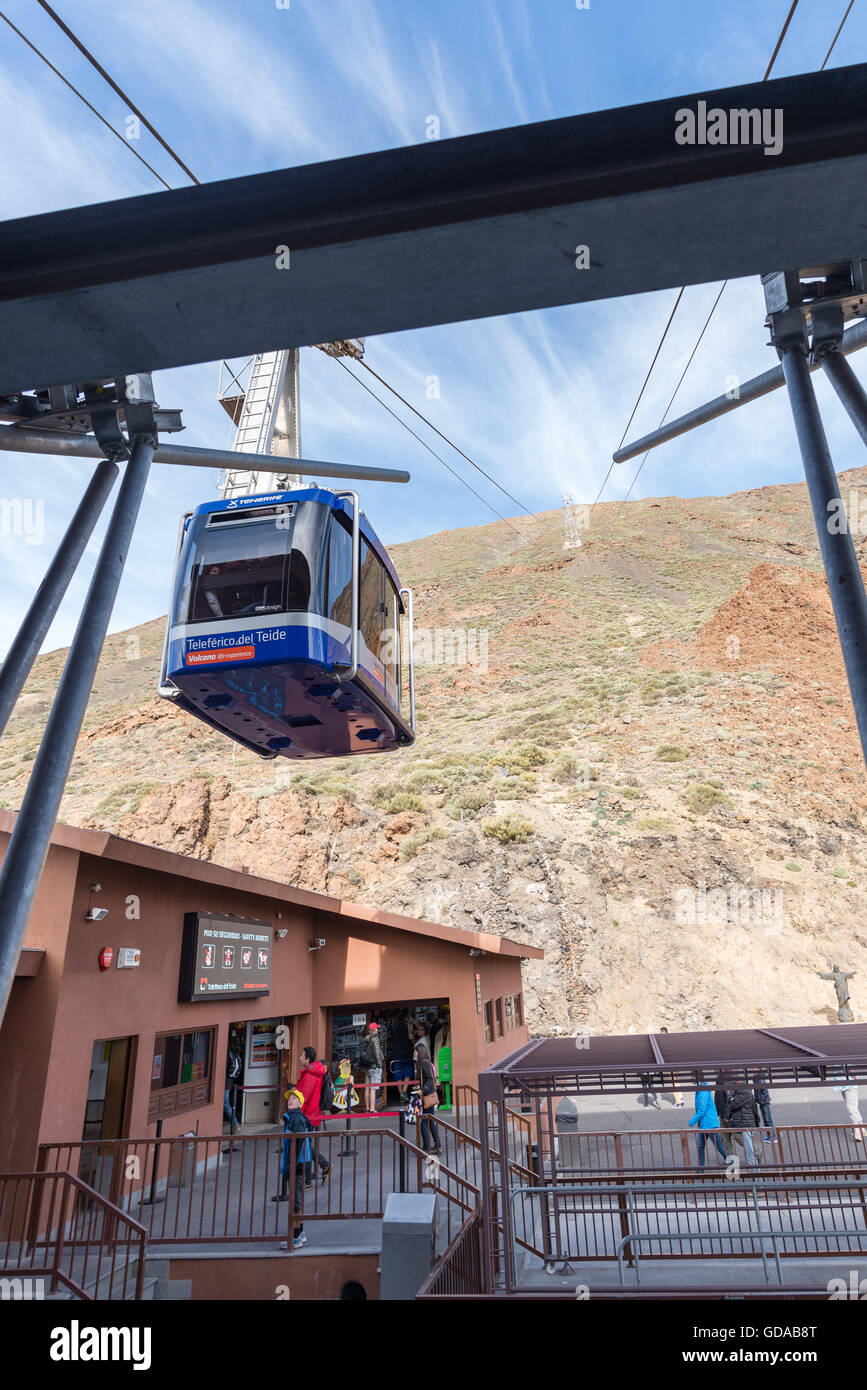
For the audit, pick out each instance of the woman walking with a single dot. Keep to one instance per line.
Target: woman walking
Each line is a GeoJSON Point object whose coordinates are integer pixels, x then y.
{"type": "Point", "coordinates": [428, 1086]}
{"type": "Point", "coordinates": [707, 1119]}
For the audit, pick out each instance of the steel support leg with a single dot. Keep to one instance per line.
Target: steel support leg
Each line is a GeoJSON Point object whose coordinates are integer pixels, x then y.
{"type": "Point", "coordinates": [40, 615]}
{"type": "Point", "coordinates": [849, 389]}
{"type": "Point", "coordinates": [28, 847]}
{"type": "Point", "coordinates": [838, 552]}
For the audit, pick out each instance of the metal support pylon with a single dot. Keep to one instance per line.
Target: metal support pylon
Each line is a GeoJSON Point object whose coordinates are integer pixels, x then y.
{"type": "Point", "coordinates": [266, 414]}
{"type": "Point", "coordinates": [807, 315]}
{"type": "Point", "coordinates": [31, 837]}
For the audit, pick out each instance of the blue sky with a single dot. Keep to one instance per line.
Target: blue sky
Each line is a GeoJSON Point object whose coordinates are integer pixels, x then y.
{"type": "Point", "coordinates": [539, 400]}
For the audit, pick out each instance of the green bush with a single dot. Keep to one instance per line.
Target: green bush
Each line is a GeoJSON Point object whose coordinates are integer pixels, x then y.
{"type": "Point", "coordinates": [411, 845]}
{"type": "Point", "coordinates": [522, 758]}
{"type": "Point", "coordinates": [469, 802]}
{"type": "Point", "coordinates": [508, 828]}
{"type": "Point", "coordinates": [671, 753]}
{"type": "Point", "coordinates": [701, 798]}
{"type": "Point", "coordinates": [400, 801]}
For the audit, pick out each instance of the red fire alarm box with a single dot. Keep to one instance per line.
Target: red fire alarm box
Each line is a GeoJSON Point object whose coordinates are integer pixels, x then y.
{"type": "Point", "coordinates": [106, 956]}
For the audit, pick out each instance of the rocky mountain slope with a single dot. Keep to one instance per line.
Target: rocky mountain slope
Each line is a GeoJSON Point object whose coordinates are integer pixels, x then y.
{"type": "Point", "coordinates": [648, 765]}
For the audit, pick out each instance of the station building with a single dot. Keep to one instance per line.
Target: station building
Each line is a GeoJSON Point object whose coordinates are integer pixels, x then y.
{"type": "Point", "coordinates": [140, 965]}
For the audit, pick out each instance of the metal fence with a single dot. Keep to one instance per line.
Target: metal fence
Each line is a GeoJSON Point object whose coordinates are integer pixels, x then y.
{"type": "Point", "coordinates": [57, 1232]}
{"type": "Point", "coordinates": [195, 1190]}
{"type": "Point", "coordinates": [630, 1222]}
{"type": "Point", "coordinates": [823, 1147]}
{"type": "Point", "coordinates": [459, 1274]}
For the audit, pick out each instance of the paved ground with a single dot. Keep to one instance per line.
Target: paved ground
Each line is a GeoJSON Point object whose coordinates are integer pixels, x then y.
{"type": "Point", "coordinates": [697, 1274]}
{"type": "Point", "coordinates": [802, 1106]}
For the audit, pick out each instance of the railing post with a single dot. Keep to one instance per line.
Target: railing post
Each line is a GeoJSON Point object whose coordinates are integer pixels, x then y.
{"type": "Point", "coordinates": [149, 1201]}
{"type": "Point", "coordinates": [401, 1153]}
{"type": "Point", "coordinates": [61, 1228]}
{"type": "Point", "coordinates": [347, 1147]}
{"type": "Point", "coordinates": [32, 1227]}
{"type": "Point", "coordinates": [621, 1200]}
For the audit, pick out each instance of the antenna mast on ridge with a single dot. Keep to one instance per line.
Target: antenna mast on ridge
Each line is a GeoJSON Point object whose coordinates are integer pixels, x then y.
{"type": "Point", "coordinates": [572, 539]}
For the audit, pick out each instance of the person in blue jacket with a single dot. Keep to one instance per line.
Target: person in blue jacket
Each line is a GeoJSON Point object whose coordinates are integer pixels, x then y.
{"type": "Point", "coordinates": [707, 1119]}
{"type": "Point", "coordinates": [295, 1122]}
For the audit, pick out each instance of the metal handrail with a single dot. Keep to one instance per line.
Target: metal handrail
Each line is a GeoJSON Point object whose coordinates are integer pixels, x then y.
{"type": "Point", "coordinates": [358, 1192]}
{"type": "Point", "coordinates": [60, 1241]}
{"type": "Point", "coordinates": [630, 1190]}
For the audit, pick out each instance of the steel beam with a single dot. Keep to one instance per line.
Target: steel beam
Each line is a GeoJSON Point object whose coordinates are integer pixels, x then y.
{"type": "Point", "coordinates": [842, 571]}
{"type": "Point", "coordinates": [848, 388]}
{"type": "Point", "coordinates": [32, 441]}
{"type": "Point", "coordinates": [433, 233]}
{"type": "Point", "coordinates": [28, 846]}
{"type": "Point", "coordinates": [762, 385]}
{"type": "Point", "coordinates": [40, 615]}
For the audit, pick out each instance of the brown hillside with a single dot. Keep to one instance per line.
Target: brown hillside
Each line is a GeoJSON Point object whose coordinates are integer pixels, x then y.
{"type": "Point", "coordinates": [661, 712]}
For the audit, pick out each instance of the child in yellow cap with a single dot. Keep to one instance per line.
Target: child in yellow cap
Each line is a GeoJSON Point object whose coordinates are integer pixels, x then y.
{"type": "Point", "coordinates": [295, 1122]}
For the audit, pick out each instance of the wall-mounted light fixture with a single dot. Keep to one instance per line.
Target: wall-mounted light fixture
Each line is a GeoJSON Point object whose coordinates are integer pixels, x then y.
{"type": "Point", "coordinates": [95, 914]}
{"type": "Point", "coordinates": [284, 931]}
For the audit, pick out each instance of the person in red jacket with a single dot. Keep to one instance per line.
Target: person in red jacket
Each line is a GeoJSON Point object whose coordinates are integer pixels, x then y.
{"type": "Point", "coordinates": [310, 1086]}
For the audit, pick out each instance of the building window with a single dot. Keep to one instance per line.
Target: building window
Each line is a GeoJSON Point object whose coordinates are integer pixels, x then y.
{"type": "Point", "coordinates": [489, 1021]}
{"type": "Point", "coordinates": [181, 1072]}
{"type": "Point", "coordinates": [514, 1012]}
{"type": "Point", "coordinates": [499, 1015]}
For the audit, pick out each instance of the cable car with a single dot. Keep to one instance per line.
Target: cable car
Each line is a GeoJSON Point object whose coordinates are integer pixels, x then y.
{"type": "Point", "coordinates": [284, 627]}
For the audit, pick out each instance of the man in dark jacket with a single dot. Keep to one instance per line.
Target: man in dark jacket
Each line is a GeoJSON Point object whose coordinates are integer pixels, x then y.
{"type": "Point", "coordinates": [402, 1067]}
{"type": "Point", "coordinates": [720, 1101]}
{"type": "Point", "coordinates": [310, 1086]}
{"type": "Point", "coordinates": [763, 1105]}
{"type": "Point", "coordinates": [740, 1114]}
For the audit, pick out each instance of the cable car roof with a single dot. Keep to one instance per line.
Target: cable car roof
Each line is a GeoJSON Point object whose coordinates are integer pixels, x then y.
{"type": "Point", "coordinates": [333, 500]}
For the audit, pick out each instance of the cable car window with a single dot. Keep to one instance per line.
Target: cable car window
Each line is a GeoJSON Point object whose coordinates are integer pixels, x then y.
{"type": "Point", "coordinates": [307, 559]}
{"type": "Point", "coordinates": [370, 611]}
{"type": "Point", "coordinates": [339, 594]}
{"type": "Point", "coordinates": [390, 639]}
{"type": "Point", "coordinates": [241, 572]}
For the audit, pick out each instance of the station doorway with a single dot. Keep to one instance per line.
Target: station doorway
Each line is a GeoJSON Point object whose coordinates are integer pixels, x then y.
{"type": "Point", "coordinates": [348, 1024]}
{"type": "Point", "coordinates": [258, 1084]}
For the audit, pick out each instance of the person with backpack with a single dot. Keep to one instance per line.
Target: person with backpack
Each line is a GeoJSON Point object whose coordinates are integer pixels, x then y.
{"type": "Point", "coordinates": [429, 1134]}
{"type": "Point", "coordinates": [763, 1105]}
{"type": "Point", "coordinates": [370, 1058]}
{"type": "Point", "coordinates": [234, 1068]}
{"type": "Point", "coordinates": [401, 1055]}
{"type": "Point", "coordinates": [740, 1114]}
{"type": "Point", "coordinates": [295, 1122]}
{"type": "Point", "coordinates": [317, 1088]}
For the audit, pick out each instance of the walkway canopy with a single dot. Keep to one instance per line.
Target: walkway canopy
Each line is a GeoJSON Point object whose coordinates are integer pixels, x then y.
{"type": "Point", "coordinates": [619, 1065]}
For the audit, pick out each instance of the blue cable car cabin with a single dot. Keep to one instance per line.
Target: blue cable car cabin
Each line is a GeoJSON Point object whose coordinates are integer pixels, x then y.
{"type": "Point", "coordinates": [284, 627]}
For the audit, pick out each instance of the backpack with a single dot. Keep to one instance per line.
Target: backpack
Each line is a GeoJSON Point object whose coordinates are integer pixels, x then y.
{"type": "Point", "coordinates": [367, 1054]}
{"type": "Point", "coordinates": [326, 1095]}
